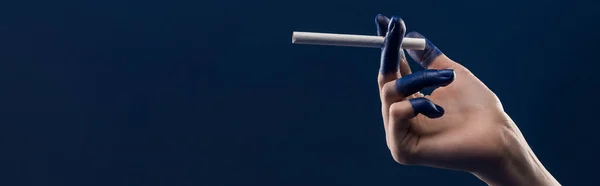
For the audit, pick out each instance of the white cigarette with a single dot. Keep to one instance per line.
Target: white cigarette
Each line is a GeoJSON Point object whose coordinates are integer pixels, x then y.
{"type": "Point", "coordinates": [350, 40]}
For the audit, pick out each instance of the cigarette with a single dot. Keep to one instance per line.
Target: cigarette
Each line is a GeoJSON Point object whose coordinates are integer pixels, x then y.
{"type": "Point", "coordinates": [350, 40]}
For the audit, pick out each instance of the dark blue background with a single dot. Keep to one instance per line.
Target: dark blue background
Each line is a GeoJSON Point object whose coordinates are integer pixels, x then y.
{"type": "Point", "coordinates": [132, 92]}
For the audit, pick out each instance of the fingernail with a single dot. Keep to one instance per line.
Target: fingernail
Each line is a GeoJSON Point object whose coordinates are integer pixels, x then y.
{"type": "Point", "coordinates": [392, 25]}
{"type": "Point", "coordinates": [439, 109]}
{"type": "Point", "coordinates": [426, 107]}
{"type": "Point", "coordinates": [446, 77]}
{"type": "Point", "coordinates": [447, 73]}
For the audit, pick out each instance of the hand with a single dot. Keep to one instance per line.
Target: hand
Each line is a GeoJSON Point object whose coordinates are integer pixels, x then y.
{"type": "Point", "coordinates": [460, 126]}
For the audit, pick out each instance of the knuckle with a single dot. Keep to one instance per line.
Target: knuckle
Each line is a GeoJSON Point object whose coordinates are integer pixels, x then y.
{"type": "Point", "coordinates": [389, 92]}
{"type": "Point", "coordinates": [380, 80]}
{"type": "Point", "coordinates": [395, 110]}
{"type": "Point", "coordinates": [399, 111]}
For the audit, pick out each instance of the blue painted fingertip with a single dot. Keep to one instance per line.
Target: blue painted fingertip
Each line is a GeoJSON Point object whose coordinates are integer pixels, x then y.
{"type": "Point", "coordinates": [417, 81]}
{"type": "Point", "coordinates": [382, 23]}
{"type": "Point", "coordinates": [426, 56]}
{"type": "Point", "coordinates": [426, 107]}
{"type": "Point", "coordinates": [390, 54]}
{"type": "Point", "coordinates": [446, 76]}
{"type": "Point", "coordinates": [393, 32]}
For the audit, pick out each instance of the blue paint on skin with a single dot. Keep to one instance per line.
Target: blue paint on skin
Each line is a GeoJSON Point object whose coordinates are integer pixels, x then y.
{"type": "Point", "coordinates": [426, 56]}
{"type": "Point", "coordinates": [382, 23]}
{"type": "Point", "coordinates": [417, 81]}
{"type": "Point", "coordinates": [390, 53]}
{"type": "Point", "coordinates": [426, 107]}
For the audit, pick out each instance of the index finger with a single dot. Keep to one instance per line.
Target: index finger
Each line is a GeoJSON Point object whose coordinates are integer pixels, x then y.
{"type": "Point", "coordinates": [390, 52]}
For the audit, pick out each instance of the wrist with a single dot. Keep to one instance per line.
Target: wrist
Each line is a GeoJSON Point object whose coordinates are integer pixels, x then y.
{"type": "Point", "coordinates": [518, 166]}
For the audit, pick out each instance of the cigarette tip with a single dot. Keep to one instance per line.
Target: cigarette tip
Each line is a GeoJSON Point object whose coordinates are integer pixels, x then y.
{"type": "Point", "coordinates": [293, 37]}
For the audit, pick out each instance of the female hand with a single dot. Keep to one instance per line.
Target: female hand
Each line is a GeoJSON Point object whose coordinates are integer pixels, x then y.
{"type": "Point", "coordinates": [460, 126]}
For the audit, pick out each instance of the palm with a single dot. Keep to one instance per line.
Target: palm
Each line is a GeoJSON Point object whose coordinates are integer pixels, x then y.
{"type": "Point", "coordinates": [470, 109]}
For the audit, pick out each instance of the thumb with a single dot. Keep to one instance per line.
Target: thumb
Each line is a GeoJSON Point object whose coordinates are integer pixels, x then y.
{"type": "Point", "coordinates": [431, 57]}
